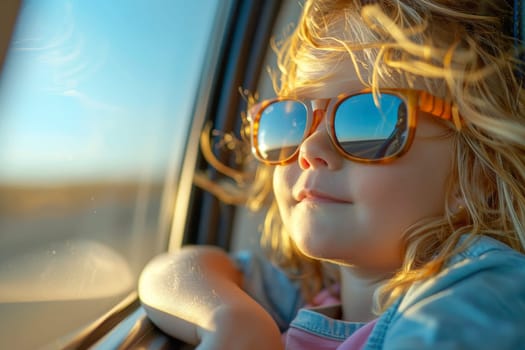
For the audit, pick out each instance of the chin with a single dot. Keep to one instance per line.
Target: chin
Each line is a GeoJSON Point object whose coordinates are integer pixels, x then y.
{"type": "Point", "coordinates": [315, 247]}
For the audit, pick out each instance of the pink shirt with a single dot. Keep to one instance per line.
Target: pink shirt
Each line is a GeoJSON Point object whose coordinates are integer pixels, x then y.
{"type": "Point", "coordinates": [315, 329]}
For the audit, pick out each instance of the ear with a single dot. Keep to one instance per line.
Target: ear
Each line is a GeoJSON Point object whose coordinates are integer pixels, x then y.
{"type": "Point", "coordinates": [457, 204]}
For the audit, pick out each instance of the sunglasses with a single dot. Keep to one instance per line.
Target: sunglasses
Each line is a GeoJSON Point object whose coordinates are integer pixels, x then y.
{"type": "Point", "coordinates": [363, 127]}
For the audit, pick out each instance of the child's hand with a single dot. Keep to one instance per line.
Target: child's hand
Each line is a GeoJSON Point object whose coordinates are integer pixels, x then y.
{"type": "Point", "coordinates": [239, 327]}
{"type": "Point", "coordinates": [195, 296]}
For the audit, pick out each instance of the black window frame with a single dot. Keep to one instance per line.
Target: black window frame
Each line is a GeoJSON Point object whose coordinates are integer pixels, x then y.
{"type": "Point", "coordinates": [210, 221]}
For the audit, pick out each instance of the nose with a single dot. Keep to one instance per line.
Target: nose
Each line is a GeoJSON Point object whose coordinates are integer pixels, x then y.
{"type": "Point", "coordinates": [317, 150]}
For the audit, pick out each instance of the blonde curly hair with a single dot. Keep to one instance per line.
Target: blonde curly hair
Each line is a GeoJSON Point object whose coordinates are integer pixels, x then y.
{"type": "Point", "coordinates": [457, 50]}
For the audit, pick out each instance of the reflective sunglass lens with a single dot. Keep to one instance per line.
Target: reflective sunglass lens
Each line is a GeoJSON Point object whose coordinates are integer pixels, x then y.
{"type": "Point", "coordinates": [282, 126]}
{"type": "Point", "coordinates": [368, 130]}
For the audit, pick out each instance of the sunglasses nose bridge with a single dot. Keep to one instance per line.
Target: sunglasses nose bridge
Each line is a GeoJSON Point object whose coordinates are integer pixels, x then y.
{"type": "Point", "coordinates": [317, 116]}
{"type": "Point", "coordinates": [318, 111]}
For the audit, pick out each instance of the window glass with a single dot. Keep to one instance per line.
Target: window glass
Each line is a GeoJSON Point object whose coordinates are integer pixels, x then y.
{"type": "Point", "coordinates": [247, 225]}
{"type": "Point", "coordinates": [95, 105]}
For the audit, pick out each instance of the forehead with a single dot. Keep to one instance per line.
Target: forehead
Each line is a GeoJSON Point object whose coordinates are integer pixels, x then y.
{"type": "Point", "coordinates": [318, 81]}
{"type": "Point", "coordinates": [331, 68]}
{"type": "Point", "coordinates": [328, 82]}
{"type": "Point", "coordinates": [344, 78]}
{"type": "Point", "coordinates": [323, 73]}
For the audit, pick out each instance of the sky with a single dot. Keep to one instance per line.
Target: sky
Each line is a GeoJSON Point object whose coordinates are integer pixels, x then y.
{"type": "Point", "coordinates": [100, 89]}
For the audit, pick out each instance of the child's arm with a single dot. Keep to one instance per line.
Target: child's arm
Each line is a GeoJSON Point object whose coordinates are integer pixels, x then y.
{"type": "Point", "coordinates": [195, 295]}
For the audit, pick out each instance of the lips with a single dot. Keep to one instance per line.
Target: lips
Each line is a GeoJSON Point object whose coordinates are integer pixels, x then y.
{"type": "Point", "coordinates": [310, 195]}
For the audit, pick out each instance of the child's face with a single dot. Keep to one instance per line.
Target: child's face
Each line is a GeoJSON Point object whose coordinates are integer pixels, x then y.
{"type": "Point", "coordinates": [355, 213]}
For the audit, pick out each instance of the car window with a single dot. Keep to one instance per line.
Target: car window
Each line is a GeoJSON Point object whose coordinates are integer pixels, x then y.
{"type": "Point", "coordinates": [96, 99]}
{"type": "Point", "coordinates": [247, 224]}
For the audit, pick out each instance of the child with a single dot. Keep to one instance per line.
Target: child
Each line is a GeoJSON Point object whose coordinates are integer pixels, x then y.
{"type": "Point", "coordinates": [398, 147]}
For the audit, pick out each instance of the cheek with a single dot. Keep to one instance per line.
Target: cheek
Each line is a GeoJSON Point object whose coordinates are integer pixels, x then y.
{"type": "Point", "coordinates": [429, 184]}
{"type": "Point", "coordinates": [283, 179]}
{"type": "Point", "coordinates": [409, 189]}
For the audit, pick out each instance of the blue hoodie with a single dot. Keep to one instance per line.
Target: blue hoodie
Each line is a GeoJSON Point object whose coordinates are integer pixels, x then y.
{"type": "Point", "coordinates": [476, 302]}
